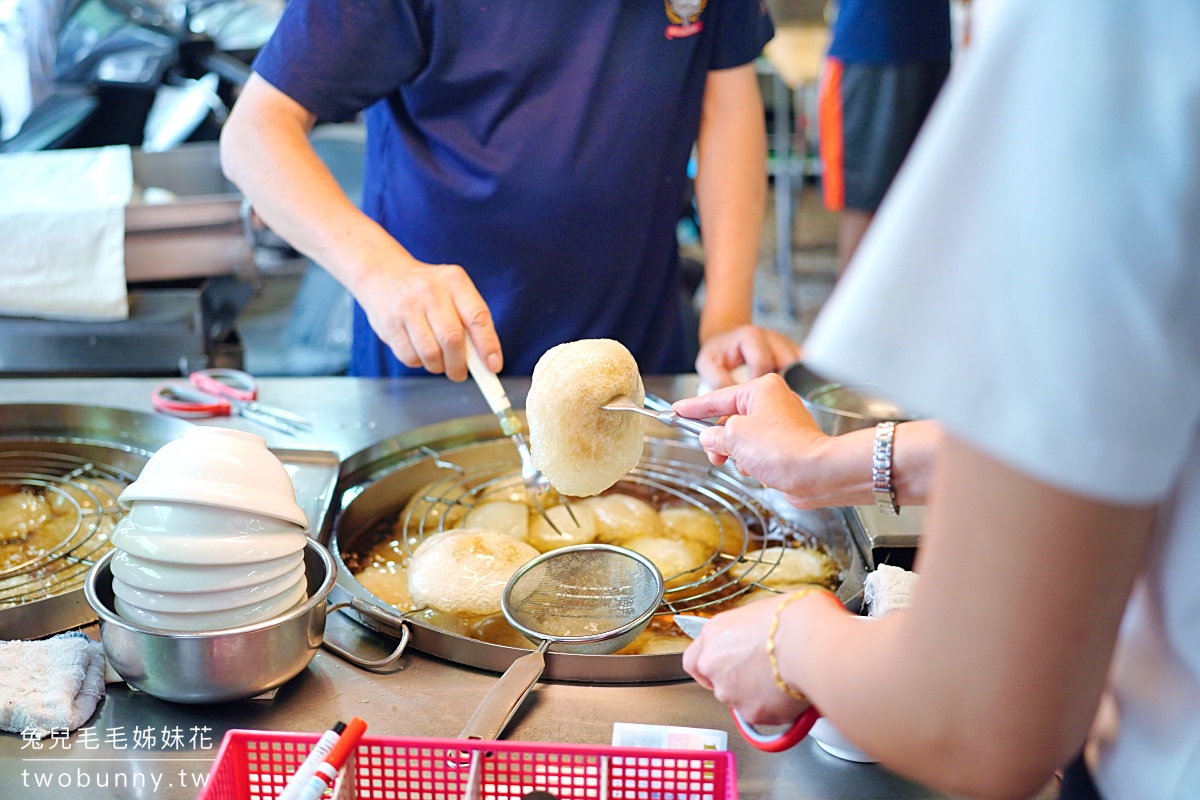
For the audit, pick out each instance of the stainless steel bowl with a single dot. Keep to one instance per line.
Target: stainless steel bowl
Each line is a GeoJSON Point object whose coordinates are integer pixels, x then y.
{"type": "Point", "coordinates": [838, 408]}
{"type": "Point", "coordinates": [215, 666]}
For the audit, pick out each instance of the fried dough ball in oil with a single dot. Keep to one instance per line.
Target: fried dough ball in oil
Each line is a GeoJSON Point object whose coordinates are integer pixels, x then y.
{"type": "Point", "coordinates": [680, 561]}
{"type": "Point", "coordinates": [545, 538]}
{"type": "Point", "coordinates": [754, 595]}
{"type": "Point", "coordinates": [502, 516]}
{"type": "Point", "coordinates": [55, 536]}
{"type": "Point", "coordinates": [388, 583]}
{"type": "Point", "coordinates": [651, 642]}
{"type": "Point", "coordinates": [723, 532]}
{"type": "Point", "coordinates": [511, 490]}
{"type": "Point", "coordinates": [785, 566]}
{"type": "Point", "coordinates": [86, 493]}
{"type": "Point", "coordinates": [463, 572]}
{"type": "Point", "coordinates": [621, 517]}
{"type": "Point", "coordinates": [21, 513]}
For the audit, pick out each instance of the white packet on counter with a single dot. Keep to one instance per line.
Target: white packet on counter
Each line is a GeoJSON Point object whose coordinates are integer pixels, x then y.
{"type": "Point", "coordinates": [668, 737]}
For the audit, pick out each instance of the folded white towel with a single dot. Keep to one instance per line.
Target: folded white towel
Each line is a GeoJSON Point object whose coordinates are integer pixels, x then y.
{"type": "Point", "coordinates": [50, 684]}
{"type": "Point", "coordinates": [888, 589]}
{"type": "Point", "coordinates": [62, 225]}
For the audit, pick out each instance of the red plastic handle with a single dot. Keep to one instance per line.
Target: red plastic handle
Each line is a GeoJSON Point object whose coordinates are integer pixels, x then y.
{"type": "Point", "coordinates": [232, 383]}
{"type": "Point", "coordinates": [777, 742]}
{"type": "Point", "coordinates": [181, 400]}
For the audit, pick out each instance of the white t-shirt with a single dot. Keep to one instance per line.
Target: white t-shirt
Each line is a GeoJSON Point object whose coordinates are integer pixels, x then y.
{"type": "Point", "coordinates": [1033, 281]}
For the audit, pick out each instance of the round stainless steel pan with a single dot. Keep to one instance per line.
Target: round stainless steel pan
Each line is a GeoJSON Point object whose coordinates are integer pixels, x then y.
{"type": "Point", "coordinates": [112, 436]}
{"type": "Point", "coordinates": [836, 421]}
{"type": "Point", "coordinates": [376, 483]}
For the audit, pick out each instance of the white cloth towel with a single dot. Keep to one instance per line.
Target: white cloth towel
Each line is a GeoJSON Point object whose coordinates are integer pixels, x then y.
{"type": "Point", "coordinates": [888, 589]}
{"type": "Point", "coordinates": [62, 229]}
{"type": "Point", "coordinates": [50, 684]}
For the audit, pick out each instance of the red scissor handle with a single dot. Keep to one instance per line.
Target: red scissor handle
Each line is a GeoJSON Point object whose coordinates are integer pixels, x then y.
{"type": "Point", "coordinates": [181, 400]}
{"type": "Point", "coordinates": [778, 742]}
{"type": "Point", "coordinates": [232, 383]}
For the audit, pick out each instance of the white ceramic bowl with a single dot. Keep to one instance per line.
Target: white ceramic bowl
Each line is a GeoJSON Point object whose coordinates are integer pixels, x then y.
{"type": "Point", "coordinates": [189, 519]}
{"type": "Point", "coordinates": [218, 467]}
{"type": "Point", "coordinates": [833, 742]}
{"type": "Point", "coordinates": [248, 548]}
{"type": "Point", "coordinates": [196, 602]}
{"type": "Point", "coordinates": [159, 576]}
{"type": "Point", "coordinates": [215, 620]}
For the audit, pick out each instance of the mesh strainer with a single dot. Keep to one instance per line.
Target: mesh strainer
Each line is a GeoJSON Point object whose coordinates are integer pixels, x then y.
{"type": "Point", "coordinates": [592, 599]}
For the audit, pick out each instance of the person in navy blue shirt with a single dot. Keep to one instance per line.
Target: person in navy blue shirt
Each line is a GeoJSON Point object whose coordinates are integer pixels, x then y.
{"type": "Point", "coordinates": [887, 62]}
{"type": "Point", "coordinates": [526, 168]}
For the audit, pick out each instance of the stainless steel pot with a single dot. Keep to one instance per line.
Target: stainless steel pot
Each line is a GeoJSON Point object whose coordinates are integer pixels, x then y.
{"type": "Point", "coordinates": [219, 666]}
{"type": "Point", "coordinates": [837, 408]}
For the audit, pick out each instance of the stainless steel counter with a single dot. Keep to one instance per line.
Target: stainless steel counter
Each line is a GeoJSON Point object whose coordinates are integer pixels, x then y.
{"type": "Point", "coordinates": [425, 697]}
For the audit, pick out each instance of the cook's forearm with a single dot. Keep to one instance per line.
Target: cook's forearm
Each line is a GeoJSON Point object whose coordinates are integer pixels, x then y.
{"type": "Point", "coordinates": [731, 194]}
{"type": "Point", "coordinates": [265, 151]}
{"type": "Point", "coordinates": [838, 471]}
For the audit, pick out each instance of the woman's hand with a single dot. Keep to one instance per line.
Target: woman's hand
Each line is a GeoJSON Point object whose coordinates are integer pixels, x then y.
{"type": "Point", "coordinates": [760, 350]}
{"type": "Point", "coordinates": [730, 659]}
{"type": "Point", "coordinates": [425, 312]}
{"type": "Point", "coordinates": [770, 436]}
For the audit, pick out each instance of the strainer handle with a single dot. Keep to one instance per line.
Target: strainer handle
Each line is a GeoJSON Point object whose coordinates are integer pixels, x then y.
{"type": "Point", "coordinates": [503, 700]}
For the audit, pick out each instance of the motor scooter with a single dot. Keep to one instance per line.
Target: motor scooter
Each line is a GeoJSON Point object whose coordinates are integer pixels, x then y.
{"type": "Point", "coordinates": [128, 72]}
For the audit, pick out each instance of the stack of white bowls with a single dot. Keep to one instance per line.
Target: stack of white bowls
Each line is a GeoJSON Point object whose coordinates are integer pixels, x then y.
{"type": "Point", "coordinates": [214, 538]}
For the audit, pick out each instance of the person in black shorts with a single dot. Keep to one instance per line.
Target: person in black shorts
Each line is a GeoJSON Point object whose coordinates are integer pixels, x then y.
{"type": "Point", "coordinates": [886, 64]}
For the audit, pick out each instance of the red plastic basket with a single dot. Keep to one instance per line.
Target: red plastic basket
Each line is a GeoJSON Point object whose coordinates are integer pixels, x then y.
{"type": "Point", "coordinates": [255, 765]}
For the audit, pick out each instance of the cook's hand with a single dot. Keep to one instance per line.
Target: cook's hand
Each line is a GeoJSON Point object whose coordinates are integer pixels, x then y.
{"type": "Point", "coordinates": [769, 434]}
{"type": "Point", "coordinates": [424, 312]}
{"type": "Point", "coordinates": [761, 350]}
{"type": "Point", "coordinates": [730, 659]}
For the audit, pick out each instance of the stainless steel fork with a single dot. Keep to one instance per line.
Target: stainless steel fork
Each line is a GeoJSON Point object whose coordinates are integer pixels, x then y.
{"type": "Point", "coordinates": [537, 485]}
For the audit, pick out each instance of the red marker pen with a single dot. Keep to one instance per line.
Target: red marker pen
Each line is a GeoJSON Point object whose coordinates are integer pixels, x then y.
{"type": "Point", "coordinates": [326, 775]}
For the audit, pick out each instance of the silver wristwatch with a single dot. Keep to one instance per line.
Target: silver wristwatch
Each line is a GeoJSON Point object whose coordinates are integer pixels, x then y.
{"type": "Point", "coordinates": [881, 468]}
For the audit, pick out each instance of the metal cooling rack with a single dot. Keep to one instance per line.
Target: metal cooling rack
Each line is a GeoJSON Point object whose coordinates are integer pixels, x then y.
{"type": "Point", "coordinates": [658, 480]}
{"type": "Point", "coordinates": [40, 567]}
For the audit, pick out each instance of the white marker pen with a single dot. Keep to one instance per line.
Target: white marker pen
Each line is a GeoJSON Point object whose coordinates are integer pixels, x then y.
{"type": "Point", "coordinates": [308, 767]}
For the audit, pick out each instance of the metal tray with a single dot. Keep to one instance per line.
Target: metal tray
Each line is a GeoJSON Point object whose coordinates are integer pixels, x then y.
{"type": "Point", "coordinates": [376, 483]}
{"type": "Point", "coordinates": [113, 436]}
{"type": "Point", "coordinates": [314, 475]}
{"type": "Point", "coordinates": [200, 233]}
{"type": "Point", "coordinates": [126, 440]}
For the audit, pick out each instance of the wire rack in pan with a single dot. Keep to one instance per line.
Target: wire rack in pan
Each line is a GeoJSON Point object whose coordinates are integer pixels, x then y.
{"type": "Point", "coordinates": [76, 509]}
{"type": "Point", "coordinates": [745, 523]}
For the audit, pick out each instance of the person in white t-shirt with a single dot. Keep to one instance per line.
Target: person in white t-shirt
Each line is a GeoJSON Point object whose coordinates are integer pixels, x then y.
{"type": "Point", "coordinates": [1033, 282]}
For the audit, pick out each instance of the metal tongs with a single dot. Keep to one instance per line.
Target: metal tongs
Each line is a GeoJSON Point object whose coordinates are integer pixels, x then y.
{"type": "Point", "coordinates": [664, 415]}
{"type": "Point", "coordinates": [537, 485]}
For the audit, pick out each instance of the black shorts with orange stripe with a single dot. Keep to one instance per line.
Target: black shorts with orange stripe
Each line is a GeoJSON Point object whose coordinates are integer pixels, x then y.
{"type": "Point", "coordinates": [869, 115]}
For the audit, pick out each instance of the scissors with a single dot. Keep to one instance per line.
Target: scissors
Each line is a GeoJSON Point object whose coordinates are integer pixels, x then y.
{"type": "Point", "coordinates": [223, 392]}
{"type": "Point", "coordinates": [767, 742]}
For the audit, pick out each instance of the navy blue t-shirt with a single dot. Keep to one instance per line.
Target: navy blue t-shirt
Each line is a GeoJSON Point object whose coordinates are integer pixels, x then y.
{"type": "Point", "coordinates": [891, 31]}
{"type": "Point", "coordinates": [540, 144]}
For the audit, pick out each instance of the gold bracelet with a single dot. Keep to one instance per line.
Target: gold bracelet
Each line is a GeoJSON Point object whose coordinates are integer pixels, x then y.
{"type": "Point", "coordinates": [783, 685]}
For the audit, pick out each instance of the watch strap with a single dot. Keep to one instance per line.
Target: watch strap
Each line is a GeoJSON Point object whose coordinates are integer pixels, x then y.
{"type": "Point", "coordinates": [881, 468]}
